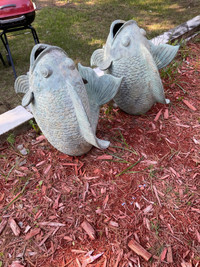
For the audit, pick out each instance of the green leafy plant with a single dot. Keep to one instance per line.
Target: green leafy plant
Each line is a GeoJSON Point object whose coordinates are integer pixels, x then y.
{"type": "Point", "coordinates": [155, 225]}
{"type": "Point", "coordinates": [130, 167]}
{"type": "Point", "coordinates": [170, 71]}
{"type": "Point", "coordinates": [109, 109]}
{"type": "Point", "coordinates": [18, 195]}
{"type": "Point", "coordinates": [39, 185]}
{"type": "Point", "coordinates": [11, 139]}
{"type": "Point", "coordinates": [34, 126]}
{"type": "Point", "coordinates": [184, 50]}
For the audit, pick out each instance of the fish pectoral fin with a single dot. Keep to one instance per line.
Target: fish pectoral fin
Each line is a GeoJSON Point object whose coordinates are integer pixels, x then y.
{"type": "Point", "coordinates": [97, 59]}
{"type": "Point", "coordinates": [27, 99]}
{"type": "Point", "coordinates": [101, 89]}
{"type": "Point", "coordinates": [22, 84]}
{"type": "Point", "coordinates": [163, 54]}
{"type": "Point", "coordinates": [83, 121]}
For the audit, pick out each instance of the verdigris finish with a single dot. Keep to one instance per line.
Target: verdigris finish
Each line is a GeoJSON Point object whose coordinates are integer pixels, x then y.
{"type": "Point", "coordinates": [66, 109]}
{"type": "Point", "coordinates": [130, 54]}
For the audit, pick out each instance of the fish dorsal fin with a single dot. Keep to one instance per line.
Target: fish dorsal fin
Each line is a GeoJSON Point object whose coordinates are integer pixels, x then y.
{"type": "Point", "coordinates": [163, 54]}
{"type": "Point", "coordinates": [22, 84]}
{"type": "Point", "coordinates": [83, 121]}
{"type": "Point", "coordinates": [97, 59]}
{"type": "Point", "coordinates": [27, 99]}
{"type": "Point", "coordinates": [100, 89]}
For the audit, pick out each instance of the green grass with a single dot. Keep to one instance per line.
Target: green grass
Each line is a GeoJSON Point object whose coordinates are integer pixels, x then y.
{"type": "Point", "coordinates": [80, 27]}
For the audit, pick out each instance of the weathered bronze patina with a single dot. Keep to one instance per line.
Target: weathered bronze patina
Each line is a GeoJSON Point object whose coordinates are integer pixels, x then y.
{"type": "Point", "coordinates": [65, 101]}
{"type": "Point", "coordinates": [130, 54]}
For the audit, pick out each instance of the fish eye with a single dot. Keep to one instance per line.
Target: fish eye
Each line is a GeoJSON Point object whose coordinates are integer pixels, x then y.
{"type": "Point", "coordinates": [46, 71]}
{"type": "Point", "coordinates": [126, 41]}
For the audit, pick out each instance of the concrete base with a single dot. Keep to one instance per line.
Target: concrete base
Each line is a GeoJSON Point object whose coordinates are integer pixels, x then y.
{"type": "Point", "coordinates": [13, 118]}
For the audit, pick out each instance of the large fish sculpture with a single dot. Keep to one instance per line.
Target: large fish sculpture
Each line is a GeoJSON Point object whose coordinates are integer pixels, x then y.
{"type": "Point", "coordinates": [130, 54]}
{"type": "Point", "coordinates": [65, 102]}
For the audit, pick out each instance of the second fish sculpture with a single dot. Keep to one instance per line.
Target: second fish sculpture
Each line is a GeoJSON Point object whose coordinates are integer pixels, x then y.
{"type": "Point", "coordinates": [65, 102]}
{"type": "Point", "coordinates": [130, 54]}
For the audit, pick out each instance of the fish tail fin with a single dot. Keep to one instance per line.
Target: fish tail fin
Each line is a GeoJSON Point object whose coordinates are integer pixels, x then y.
{"type": "Point", "coordinates": [100, 89]}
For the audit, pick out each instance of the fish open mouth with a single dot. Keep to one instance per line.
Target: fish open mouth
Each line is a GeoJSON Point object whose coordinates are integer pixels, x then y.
{"type": "Point", "coordinates": [118, 25]}
{"type": "Point", "coordinates": [36, 52]}
{"type": "Point", "coordinates": [39, 51]}
{"type": "Point", "coordinates": [116, 28]}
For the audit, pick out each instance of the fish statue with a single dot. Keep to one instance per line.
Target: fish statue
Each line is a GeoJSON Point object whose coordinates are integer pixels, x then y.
{"type": "Point", "coordinates": [65, 101]}
{"type": "Point", "coordinates": [130, 54]}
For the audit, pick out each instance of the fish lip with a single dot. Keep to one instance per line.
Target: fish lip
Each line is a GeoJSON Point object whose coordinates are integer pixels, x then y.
{"type": "Point", "coordinates": [41, 49]}
{"type": "Point", "coordinates": [125, 23]}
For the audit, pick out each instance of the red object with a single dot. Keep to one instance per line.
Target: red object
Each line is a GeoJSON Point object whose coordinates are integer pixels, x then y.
{"type": "Point", "coordinates": [14, 13]}
{"type": "Point", "coordinates": [13, 8]}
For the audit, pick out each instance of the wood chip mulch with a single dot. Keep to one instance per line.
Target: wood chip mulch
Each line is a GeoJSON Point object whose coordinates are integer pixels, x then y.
{"type": "Point", "coordinates": [134, 204]}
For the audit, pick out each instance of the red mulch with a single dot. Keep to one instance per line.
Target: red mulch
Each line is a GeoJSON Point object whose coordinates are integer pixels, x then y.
{"type": "Point", "coordinates": [145, 187]}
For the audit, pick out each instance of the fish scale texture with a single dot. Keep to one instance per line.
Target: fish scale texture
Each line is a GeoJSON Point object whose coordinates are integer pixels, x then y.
{"type": "Point", "coordinates": [57, 120]}
{"type": "Point", "coordinates": [141, 86]}
{"type": "Point", "coordinates": [65, 109]}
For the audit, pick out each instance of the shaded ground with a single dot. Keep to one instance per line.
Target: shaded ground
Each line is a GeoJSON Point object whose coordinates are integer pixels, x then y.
{"type": "Point", "coordinates": [55, 208]}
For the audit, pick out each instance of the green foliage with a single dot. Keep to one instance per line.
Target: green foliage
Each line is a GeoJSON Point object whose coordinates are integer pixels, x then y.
{"type": "Point", "coordinates": [170, 71]}
{"type": "Point", "coordinates": [184, 50]}
{"type": "Point", "coordinates": [11, 139]}
{"type": "Point", "coordinates": [155, 225]}
{"type": "Point", "coordinates": [108, 110]}
{"type": "Point", "coordinates": [39, 186]}
{"type": "Point", "coordinates": [197, 39]}
{"type": "Point", "coordinates": [152, 172]}
{"type": "Point", "coordinates": [34, 126]}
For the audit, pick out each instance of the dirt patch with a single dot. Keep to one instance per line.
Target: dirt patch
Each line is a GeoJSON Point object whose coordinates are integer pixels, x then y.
{"type": "Point", "coordinates": [58, 210]}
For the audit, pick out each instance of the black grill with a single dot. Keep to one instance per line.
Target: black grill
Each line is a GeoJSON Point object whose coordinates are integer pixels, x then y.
{"type": "Point", "coordinates": [15, 15]}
